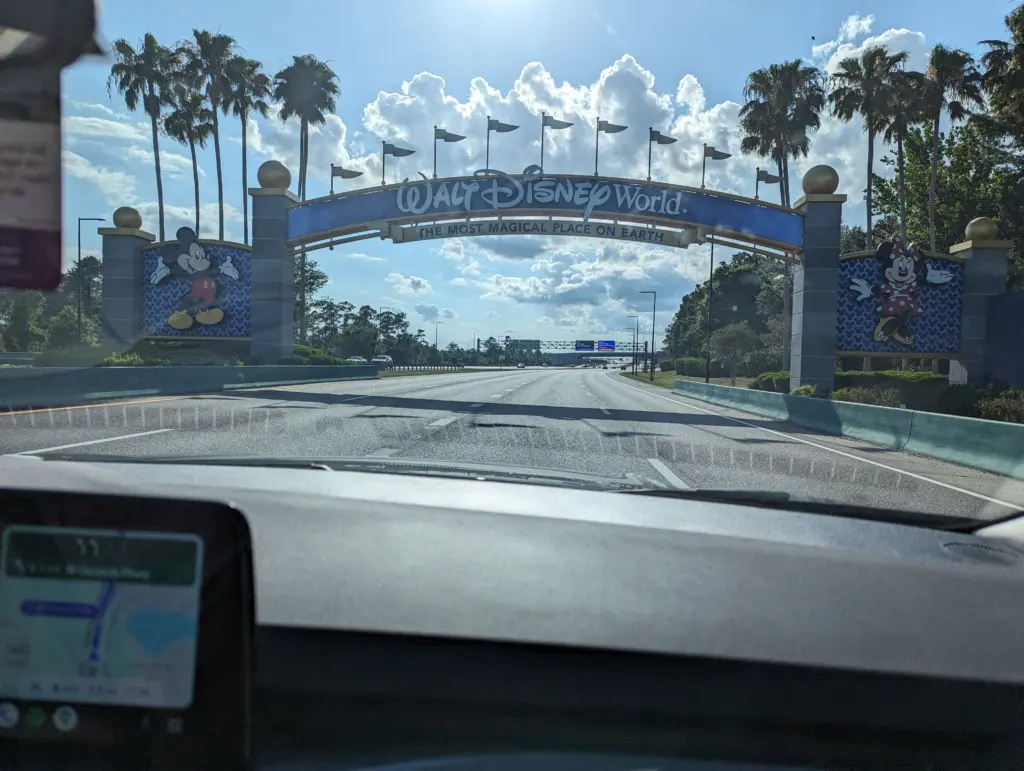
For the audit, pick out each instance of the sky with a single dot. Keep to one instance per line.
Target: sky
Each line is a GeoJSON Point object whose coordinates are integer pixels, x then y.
{"type": "Point", "coordinates": [407, 65]}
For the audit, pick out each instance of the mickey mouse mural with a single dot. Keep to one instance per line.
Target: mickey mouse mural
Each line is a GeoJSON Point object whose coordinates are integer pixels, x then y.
{"type": "Point", "coordinates": [201, 303]}
{"type": "Point", "coordinates": [902, 274]}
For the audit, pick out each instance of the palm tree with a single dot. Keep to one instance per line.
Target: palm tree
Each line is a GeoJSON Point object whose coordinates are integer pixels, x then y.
{"type": "Point", "coordinates": [864, 87]}
{"type": "Point", "coordinates": [953, 83]}
{"type": "Point", "coordinates": [1004, 71]}
{"type": "Point", "coordinates": [248, 88]}
{"type": "Point", "coordinates": [905, 110]}
{"type": "Point", "coordinates": [145, 75]}
{"type": "Point", "coordinates": [206, 62]}
{"type": "Point", "coordinates": [783, 104]}
{"type": "Point", "coordinates": [307, 89]}
{"type": "Point", "coordinates": [190, 122]}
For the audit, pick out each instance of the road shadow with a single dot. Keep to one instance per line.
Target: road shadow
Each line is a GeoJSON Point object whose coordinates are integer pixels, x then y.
{"type": "Point", "coordinates": [550, 412]}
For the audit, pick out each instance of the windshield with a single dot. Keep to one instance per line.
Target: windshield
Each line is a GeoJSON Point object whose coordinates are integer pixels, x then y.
{"type": "Point", "coordinates": [544, 237]}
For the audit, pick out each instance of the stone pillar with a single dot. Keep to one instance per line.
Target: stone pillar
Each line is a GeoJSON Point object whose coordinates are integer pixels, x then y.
{"type": "Point", "coordinates": [273, 289]}
{"type": "Point", "coordinates": [985, 271]}
{"type": "Point", "coordinates": [815, 283]}
{"type": "Point", "coordinates": [121, 309]}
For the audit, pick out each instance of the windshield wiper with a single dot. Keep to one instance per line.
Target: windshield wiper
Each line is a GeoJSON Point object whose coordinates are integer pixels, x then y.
{"type": "Point", "coordinates": [777, 499]}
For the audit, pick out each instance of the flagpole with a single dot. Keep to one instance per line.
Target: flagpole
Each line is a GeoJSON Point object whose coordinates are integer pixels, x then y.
{"type": "Point", "coordinates": [542, 142]}
{"type": "Point", "coordinates": [597, 143]}
{"type": "Point", "coordinates": [703, 165]}
{"type": "Point", "coordinates": [487, 157]}
{"type": "Point", "coordinates": [383, 162]}
{"type": "Point", "coordinates": [650, 144]}
{"type": "Point", "coordinates": [435, 152]}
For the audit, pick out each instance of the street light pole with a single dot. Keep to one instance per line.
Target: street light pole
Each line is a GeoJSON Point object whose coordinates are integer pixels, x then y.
{"type": "Point", "coordinates": [436, 324]}
{"type": "Point", "coordinates": [654, 312]}
{"type": "Point", "coordinates": [78, 268]}
{"type": "Point", "coordinates": [636, 340]}
{"type": "Point", "coordinates": [707, 335]}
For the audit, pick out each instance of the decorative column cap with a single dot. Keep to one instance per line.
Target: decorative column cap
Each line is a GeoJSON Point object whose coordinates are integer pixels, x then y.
{"type": "Point", "coordinates": [127, 222]}
{"type": "Point", "coordinates": [980, 233]}
{"type": "Point", "coordinates": [274, 174]}
{"type": "Point", "coordinates": [821, 180]}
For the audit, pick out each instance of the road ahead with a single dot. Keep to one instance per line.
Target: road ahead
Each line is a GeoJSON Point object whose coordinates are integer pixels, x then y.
{"type": "Point", "coordinates": [594, 421]}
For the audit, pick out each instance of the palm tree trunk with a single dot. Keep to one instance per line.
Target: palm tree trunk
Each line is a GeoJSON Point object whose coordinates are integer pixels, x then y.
{"type": "Point", "coordinates": [245, 185]}
{"type": "Point", "coordinates": [785, 172]}
{"type": "Point", "coordinates": [220, 179]}
{"type": "Point", "coordinates": [195, 179]}
{"type": "Point", "coordinates": [303, 159]}
{"type": "Point", "coordinates": [901, 168]}
{"type": "Point", "coordinates": [871, 166]}
{"type": "Point", "coordinates": [787, 293]}
{"type": "Point", "coordinates": [933, 183]}
{"type": "Point", "coordinates": [156, 163]}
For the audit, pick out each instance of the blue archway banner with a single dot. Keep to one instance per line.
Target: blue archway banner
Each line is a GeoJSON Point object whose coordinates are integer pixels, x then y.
{"type": "Point", "coordinates": [492, 193]}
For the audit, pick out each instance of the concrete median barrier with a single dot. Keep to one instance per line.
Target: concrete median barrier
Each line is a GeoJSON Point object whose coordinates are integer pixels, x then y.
{"type": "Point", "coordinates": [64, 386]}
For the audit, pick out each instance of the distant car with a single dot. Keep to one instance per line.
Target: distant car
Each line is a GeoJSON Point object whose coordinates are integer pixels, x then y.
{"type": "Point", "coordinates": [520, 365]}
{"type": "Point", "coordinates": [383, 361]}
{"type": "Point", "coordinates": [356, 360]}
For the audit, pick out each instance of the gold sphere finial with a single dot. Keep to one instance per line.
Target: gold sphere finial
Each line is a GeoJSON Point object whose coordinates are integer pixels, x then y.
{"type": "Point", "coordinates": [821, 180]}
{"type": "Point", "coordinates": [981, 229]}
{"type": "Point", "coordinates": [274, 174]}
{"type": "Point", "coordinates": [127, 218]}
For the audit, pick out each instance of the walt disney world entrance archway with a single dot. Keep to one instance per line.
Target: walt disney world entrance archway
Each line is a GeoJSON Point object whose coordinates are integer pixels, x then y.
{"type": "Point", "coordinates": [492, 202]}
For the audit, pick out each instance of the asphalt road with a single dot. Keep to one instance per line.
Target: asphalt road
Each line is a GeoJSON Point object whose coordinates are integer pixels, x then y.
{"type": "Point", "coordinates": [593, 421]}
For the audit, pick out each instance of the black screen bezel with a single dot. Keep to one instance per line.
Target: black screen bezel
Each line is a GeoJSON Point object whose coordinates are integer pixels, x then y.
{"type": "Point", "coordinates": [215, 730]}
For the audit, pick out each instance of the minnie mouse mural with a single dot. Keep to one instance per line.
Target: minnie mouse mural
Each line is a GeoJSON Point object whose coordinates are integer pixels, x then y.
{"type": "Point", "coordinates": [901, 272]}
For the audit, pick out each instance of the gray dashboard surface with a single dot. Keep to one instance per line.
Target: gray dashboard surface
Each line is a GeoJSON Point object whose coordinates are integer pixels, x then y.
{"type": "Point", "coordinates": [504, 562]}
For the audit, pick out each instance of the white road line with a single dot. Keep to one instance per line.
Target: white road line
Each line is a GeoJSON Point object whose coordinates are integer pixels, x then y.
{"type": "Point", "coordinates": [666, 472]}
{"type": "Point", "coordinates": [851, 456]}
{"type": "Point", "coordinates": [478, 404]}
{"type": "Point", "coordinates": [94, 441]}
{"type": "Point", "coordinates": [353, 398]}
{"type": "Point", "coordinates": [496, 396]}
{"type": "Point", "coordinates": [444, 421]}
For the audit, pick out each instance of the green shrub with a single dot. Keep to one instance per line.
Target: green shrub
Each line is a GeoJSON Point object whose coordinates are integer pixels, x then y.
{"type": "Point", "coordinates": [1007, 406]}
{"type": "Point", "coordinates": [294, 359]}
{"type": "Point", "coordinates": [667, 366]}
{"type": "Point", "coordinates": [963, 400]}
{"type": "Point", "coordinates": [917, 390]}
{"type": "Point", "coordinates": [126, 359]}
{"type": "Point", "coordinates": [690, 366]}
{"type": "Point", "coordinates": [771, 381]}
{"type": "Point", "coordinates": [882, 397]}
{"type": "Point", "coordinates": [805, 390]}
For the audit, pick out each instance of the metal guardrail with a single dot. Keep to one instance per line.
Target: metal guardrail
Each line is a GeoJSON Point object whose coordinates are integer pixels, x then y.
{"type": "Point", "coordinates": [422, 368]}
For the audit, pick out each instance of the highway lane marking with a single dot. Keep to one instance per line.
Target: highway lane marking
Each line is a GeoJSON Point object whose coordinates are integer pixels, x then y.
{"type": "Point", "coordinates": [444, 421]}
{"type": "Point", "coordinates": [851, 456]}
{"type": "Point", "coordinates": [666, 472]}
{"type": "Point", "coordinates": [94, 441]}
{"type": "Point", "coordinates": [354, 398]}
{"type": "Point", "coordinates": [478, 404]}
{"type": "Point", "coordinates": [496, 396]}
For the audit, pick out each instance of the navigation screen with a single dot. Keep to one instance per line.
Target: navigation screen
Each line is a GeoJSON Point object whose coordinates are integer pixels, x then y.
{"type": "Point", "coordinates": [99, 616]}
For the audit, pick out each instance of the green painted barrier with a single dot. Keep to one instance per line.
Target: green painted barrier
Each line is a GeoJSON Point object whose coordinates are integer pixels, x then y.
{"type": "Point", "coordinates": [64, 386]}
{"type": "Point", "coordinates": [989, 445]}
{"type": "Point", "coordinates": [884, 426]}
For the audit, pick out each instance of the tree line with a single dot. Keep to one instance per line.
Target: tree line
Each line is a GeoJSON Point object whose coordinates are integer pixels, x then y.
{"type": "Point", "coordinates": [941, 181]}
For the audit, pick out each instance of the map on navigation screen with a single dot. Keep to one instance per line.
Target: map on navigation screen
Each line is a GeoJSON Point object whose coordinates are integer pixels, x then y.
{"type": "Point", "coordinates": [99, 616]}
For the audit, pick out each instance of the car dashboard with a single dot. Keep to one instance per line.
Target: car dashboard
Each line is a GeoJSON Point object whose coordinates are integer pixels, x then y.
{"type": "Point", "coordinates": [489, 625]}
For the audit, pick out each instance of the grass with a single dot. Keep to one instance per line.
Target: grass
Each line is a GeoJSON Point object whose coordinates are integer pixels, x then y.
{"type": "Point", "coordinates": [667, 379]}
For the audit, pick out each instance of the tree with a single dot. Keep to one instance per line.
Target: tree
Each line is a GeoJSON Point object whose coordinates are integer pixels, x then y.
{"type": "Point", "coordinates": [190, 122]}
{"type": "Point", "coordinates": [864, 87]}
{"type": "Point", "coordinates": [206, 58]}
{"type": "Point", "coordinates": [953, 84]}
{"type": "Point", "coordinates": [248, 89]}
{"type": "Point", "coordinates": [783, 105]}
{"type": "Point", "coordinates": [732, 345]}
{"type": "Point", "coordinates": [23, 331]}
{"type": "Point", "coordinates": [308, 283]}
{"type": "Point", "coordinates": [905, 110]}
{"type": "Point", "coordinates": [307, 89]}
{"type": "Point", "coordinates": [1003, 80]}
{"type": "Point", "coordinates": [144, 76]}
{"type": "Point", "coordinates": [852, 238]}
{"type": "Point", "coordinates": [62, 330]}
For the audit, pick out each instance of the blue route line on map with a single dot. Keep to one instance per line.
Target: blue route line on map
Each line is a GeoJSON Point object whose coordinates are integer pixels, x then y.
{"type": "Point", "coordinates": [82, 610]}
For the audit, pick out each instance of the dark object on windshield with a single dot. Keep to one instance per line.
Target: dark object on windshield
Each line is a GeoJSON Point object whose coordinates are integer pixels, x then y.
{"type": "Point", "coordinates": [130, 631]}
{"type": "Point", "coordinates": [37, 40]}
